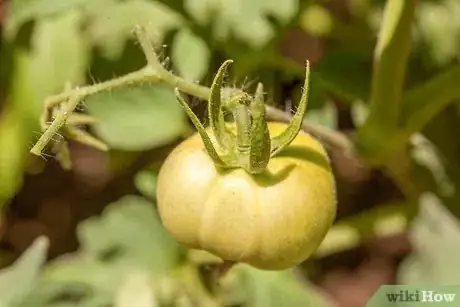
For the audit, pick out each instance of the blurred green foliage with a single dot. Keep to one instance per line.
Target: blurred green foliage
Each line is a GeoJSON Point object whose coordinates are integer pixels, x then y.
{"type": "Point", "coordinates": [126, 258]}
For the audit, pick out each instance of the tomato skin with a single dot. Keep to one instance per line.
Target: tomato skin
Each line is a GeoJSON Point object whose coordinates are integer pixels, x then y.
{"type": "Point", "coordinates": [272, 221]}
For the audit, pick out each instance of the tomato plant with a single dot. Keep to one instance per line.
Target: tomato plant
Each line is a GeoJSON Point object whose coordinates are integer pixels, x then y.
{"type": "Point", "coordinates": [282, 192]}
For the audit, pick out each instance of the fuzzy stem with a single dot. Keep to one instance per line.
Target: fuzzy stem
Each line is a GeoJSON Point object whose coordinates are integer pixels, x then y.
{"type": "Point", "coordinates": [152, 74]}
{"type": "Point", "coordinates": [58, 122]}
{"type": "Point", "coordinates": [141, 76]}
{"type": "Point", "coordinates": [147, 47]}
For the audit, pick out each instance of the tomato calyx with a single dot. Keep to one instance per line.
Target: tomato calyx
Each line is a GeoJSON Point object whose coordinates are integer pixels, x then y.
{"type": "Point", "coordinates": [251, 147]}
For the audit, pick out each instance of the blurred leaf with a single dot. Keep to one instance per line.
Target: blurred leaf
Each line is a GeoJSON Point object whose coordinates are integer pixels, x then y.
{"type": "Point", "coordinates": [136, 291]}
{"type": "Point", "coordinates": [325, 116]}
{"type": "Point", "coordinates": [23, 11]}
{"type": "Point", "coordinates": [316, 20]}
{"type": "Point", "coordinates": [425, 101]}
{"type": "Point", "coordinates": [359, 112]}
{"type": "Point", "coordinates": [113, 25]}
{"type": "Point", "coordinates": [56, 59]}
{"type": "Point", "coordinates": [435, 235]}
{"type": "Point", "coordinates": [132, 228]}
{"type": "Point", "coordinates": [427, 154]}
{"type": "Point", "coordinates": [246, 19]}
{"type": "Point", "coordinates": [128, 238]}
{"type": "Point", "coordinates": [13, 144]}
{"type": "Point", "coordinates": [52, 61]}
{"type": "Point", "coordinates": [137, 118]}
{"type": "Point", "coordinates": [18, 280]}
{"type": "Point", "coordinates": [379, 221]}
{"type": "Point", "coordinates": [190, 55]}
{"type": "Point", "coordinates": [439, 26]}
{"type": "Point", "coordinates": [145, 182]}
{"type": "Point", "coordinates": [266, 289]}
{"type": "Point", "coordinates": [346, 74]}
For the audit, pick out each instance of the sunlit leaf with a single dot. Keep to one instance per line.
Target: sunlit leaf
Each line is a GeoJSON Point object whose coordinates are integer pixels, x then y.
{"type": "Point", "coordinates": [23, 11]}
{"type": "Point", "coordinates": [324, 116]}
{"type": "Point", "coordinates": [316, 20]}
{"type": "Point", "coordinates": [426, 154]}
{"type": "Point", "coordinates": [190, 55]}
{"type": "Point", "coordinates": [438, 25]}
{"type": "Point", "coordinates": [52, 60]}
{"type": "Point", "coordinates": [435, 235]}
{"type": "Point", "coordinates": [275, 289]}
{"type": "Point", "coordinates": [250, 287]}
{"type": "Point", "coordinates": [17, 281]}
{"type": "Point", "coordinates": [111, 26]}
{"type": "Point", "coordinates": [136, 291]}
{"type": "Point", "coordinates": [359, 112]}
{"type": "Point", "coordinates": [137, 118]}
{"type": "Point", "coordinates": [246, 19]}
{"type": "Point", "coordinates": [145, 182]}
{"type": "Point", "coordinates": [56, 59]}
{"type": "Point", "coordinates": [131, 227]}
{"type": "Point", "coordinates": [126, 239]}
{"type": "Point", "coordinates": [347, 74]}
{"type": "Point", "coordinates": [13, 137]}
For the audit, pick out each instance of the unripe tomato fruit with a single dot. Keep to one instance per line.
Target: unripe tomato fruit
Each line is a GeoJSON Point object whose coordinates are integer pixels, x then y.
{"type": "Point", "coordinates": [272, 221]}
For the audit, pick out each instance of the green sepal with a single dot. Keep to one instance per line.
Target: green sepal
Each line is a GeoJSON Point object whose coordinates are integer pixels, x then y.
{"type": "Point", "coordinates": [260, 140]}
{"type": "Point", "coordinates": [209, 146]}
{"type": "Point", "coordinates": [62, 154]}
{"type": "Point", "coordinates": [73, 133]}
{"type": "Point", "coordinates": [287, 136]}
{"type": "Point", "coordinates": [223, 136]}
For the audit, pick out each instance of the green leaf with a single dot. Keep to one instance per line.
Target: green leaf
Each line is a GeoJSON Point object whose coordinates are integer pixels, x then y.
{"type": "Point", "coordinates": [190, 55]}
{"type": "Point", "coordinates": [136, 291]}
{"type": "Point", "coordinates": [132, 226]}
{"type": "Point", "coordinates": [17, 281]}
{"type": "Point", "coordinates": [439, 26]}
{"type": "Point", "coordinates": [146, 182]}
{"type": "Point", "coordinates": [53, 60]}
{"type": "Point", "coordinates": [346, 74]}
{"type": "Point", "coordinates": [56, 58]}
{"type": "Point", "coordinates": [126, 239]}
{"type": "Point", "coordinates": [359, 112]}
{"type": "Point", "coordinates": [137, 118]}
{"type": "Point", "coordinates": [425, 101]}
{"type": "Point", "coordinates": [325, 116]}
{"type": "Point", "coordinates": [13, 144]}
{"type": "Point", "coordinates": [316, 20]}
{"type": "Point", "coordinates": [23, 11]}
{"type": "Point", "coordinates": [245, 19]}
{"type": "Point", "coordinates": [426, 154]}
{"type": "Point", "coordinates": [112, 26]}
{"type": "Point", "coordinates": [435, 235]}
{"type": "Point", "coordinates": [274, 289]}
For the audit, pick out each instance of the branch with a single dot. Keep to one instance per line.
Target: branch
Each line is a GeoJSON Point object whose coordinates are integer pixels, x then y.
{"type": "Point", "coordinates": [390, 63]}
{"type": "Point", "coordinates": [154, 72]}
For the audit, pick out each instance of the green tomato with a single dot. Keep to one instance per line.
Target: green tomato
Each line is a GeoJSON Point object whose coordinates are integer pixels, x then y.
{"type": "Point", "coordinates": [272, 221]}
